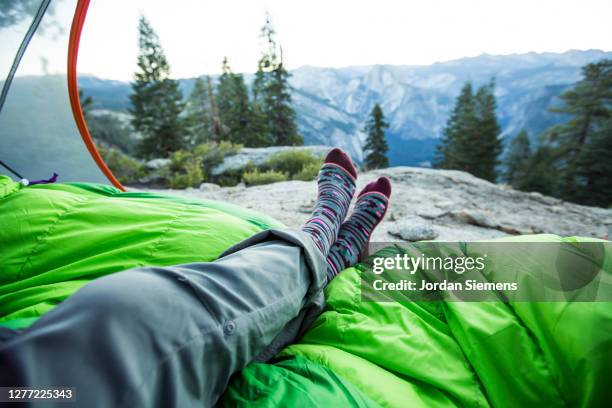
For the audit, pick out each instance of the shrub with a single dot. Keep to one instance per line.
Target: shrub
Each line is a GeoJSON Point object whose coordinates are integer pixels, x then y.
{"type": "Point", "coordinates": [127, 169]}
{"type": "Point", "coordinates": [309, 172]}
{"type": "Point", "coordinates": [190, 168]}
{"type": "Point", "coordinates": [293, 161]}
{"type": "Point", "coordinates": [256, 177]}
{"type": "Point", "coordinates": [185, 169]}
{"type": "Point", "coordinates": [233, 177]}
{"type": "Point", "coordinates": [213, 153]}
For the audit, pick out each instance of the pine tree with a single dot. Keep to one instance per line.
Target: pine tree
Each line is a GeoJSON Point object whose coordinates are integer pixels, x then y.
{"type": "Point", "coordinates": [260, 125]}
{"type": "Point", "coordinates": [260, 132]}
{"type": "Point", "coordinates": [272, 95]}
{"type": "Point", "coordinates": [588, 103]}
{"type": "Point", "coordinates": [199, 114]}
{"type": "Point", "coordinates": [157, 101]}
{"type": "Point", "coordinates": [517, 159]}
{"type": "Point", "coordinates": [217, 128]}
{"type": "Point", "coordinates": [594, 167]}
{"type": "Point", "coordinates": [470, 140]}
{"type": "Point", "coordinates": [376, 146]}
{"type": "Point", "coordinates": [282, 124]}
{"type": "Point", "coordinates": [233, 105]}
{"type": "Point", "coordinates": [540, 174]}
{"type": "Point", "coordinates": [487, 145]}
{"type": "Point", "coordinates": [453, 151]}
{"type": "Point", "coordinates": [86, 104]}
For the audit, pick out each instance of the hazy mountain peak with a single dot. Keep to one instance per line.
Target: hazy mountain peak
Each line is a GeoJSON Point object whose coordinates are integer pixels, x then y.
{"type": "Point", "coordinates": [333, 103]}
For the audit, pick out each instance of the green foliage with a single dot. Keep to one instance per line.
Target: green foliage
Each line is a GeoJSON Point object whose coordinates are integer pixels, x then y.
{"type": "Point", "coordinates": [233, 177]}
{"type": "Point", "coordinates": [530, 170]}
{"type": "Point", "coordinates": [167, 124]}
{"type": "Point", "coordinates": [125, 168]}
{"type": "Point", "coordinates": [541, 174]}
{"type": "Point", "coordinates": [106, 129]}
{"type": "Point", "coordinates": [274, 117]}
{"type": "Point", "coordinates": [257, 177]}
{"type": "Point", "coordinates": [261, 135]}
{"type": "Point", "coordinates": [86, 103]}
{"type": "Point", "coordinates": [572, 160]}
{"type": "Point", "coordinates": [278, 110]}
{"type": "Point", "coordinates": [189, 168]}
{"type": "Point", "coordinates": [213, 154]}
{"type": "Point", "coordinates": [470, 140]}
{"type": "Point", "coordinates": [185, 169]}
{"type": "Point", "coordinates": [266, 119]}
{"type": "Point", "coordinates": [292, 162]}
{"type": "Point", "coordinates": [297, 164]}
{"type": "Point", "coordinates": [156, 100]}
{"type": "Point", "coordinates": [582, 145]}
{"type": "Point", "coordinates": [199, 113]}
{"type": "Point", "coordinates": [309, 172]}
{"type": "Point", "coordinates": [518, 159]}
{"type": "Point", "coordinates": [453, 149]}
{"type": "Point", "coordinates": [234, 107]}
{"type": "Point", "coordinates": [376, 145]}
{"type": "Point", "coordinates": [488, 146]}
{"type": "Point", "coordinates": [594, 168]}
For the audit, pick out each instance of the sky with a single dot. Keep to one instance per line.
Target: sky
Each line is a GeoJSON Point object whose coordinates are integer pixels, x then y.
{"type": "Point", "coordinates": [197, 34]}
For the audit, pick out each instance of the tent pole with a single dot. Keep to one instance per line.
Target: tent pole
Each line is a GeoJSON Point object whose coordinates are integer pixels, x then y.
{"type": "Point", "coordinates": [22, 48]}
{"type": "Point", "coordinates": [73, 91]}
{"type": "Point", "coordinates": [6, 166]}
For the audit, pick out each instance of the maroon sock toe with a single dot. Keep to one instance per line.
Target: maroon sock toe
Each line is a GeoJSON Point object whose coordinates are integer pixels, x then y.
{"type": "Point", "coordinates": [381, 185]}
{"type": "Point", "coordinates": [368, 188]}
{"type": "Point", "coordinates": [338, 157]}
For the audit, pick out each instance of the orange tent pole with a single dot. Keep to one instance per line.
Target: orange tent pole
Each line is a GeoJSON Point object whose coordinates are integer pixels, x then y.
{"type": "Point", "coordinates": [73, 90]}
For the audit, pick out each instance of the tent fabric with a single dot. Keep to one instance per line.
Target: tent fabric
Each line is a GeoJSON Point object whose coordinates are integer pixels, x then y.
{"type": "Point", "coordinates": [57, 237]}
{"type": "Point", "coordinates": [38, 132]}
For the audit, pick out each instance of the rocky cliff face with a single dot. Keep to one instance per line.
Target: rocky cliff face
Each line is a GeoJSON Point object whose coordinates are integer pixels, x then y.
{"type": "Point", "coordinates": [332, 104]}
{"type": "Point", "coordinates": [430, 204]}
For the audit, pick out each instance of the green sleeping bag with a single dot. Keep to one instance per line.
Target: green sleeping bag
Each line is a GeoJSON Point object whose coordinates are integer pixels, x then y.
{"type": "Point", "coordinates": [430, 354]}
{"type": "Point", "coordinates": [57, 237]}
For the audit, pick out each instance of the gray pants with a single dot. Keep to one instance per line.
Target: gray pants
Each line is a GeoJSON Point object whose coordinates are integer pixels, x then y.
{"type": "Point", "coordinates": [172, 336]}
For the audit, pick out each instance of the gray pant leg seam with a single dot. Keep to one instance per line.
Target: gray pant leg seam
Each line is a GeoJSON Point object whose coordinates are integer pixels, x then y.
{"type": "Point", "coordinates": [201, 334]}
{"type": "Point", "coordinates": [166, 357]}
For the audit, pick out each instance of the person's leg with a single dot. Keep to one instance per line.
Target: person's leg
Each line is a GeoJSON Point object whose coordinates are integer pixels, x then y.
{"type": "Point", "coordinates": [370, 208]}
{"type": "Point", "coordinates": [336, 186]}
{"type": "Point", "coordinates": [173, 336]}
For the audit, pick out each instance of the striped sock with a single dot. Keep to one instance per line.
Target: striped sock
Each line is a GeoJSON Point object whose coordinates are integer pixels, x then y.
{"type": "Point", "coordinates": [336, 189]}
{"type": "Point", "coordinates": [355, 232]}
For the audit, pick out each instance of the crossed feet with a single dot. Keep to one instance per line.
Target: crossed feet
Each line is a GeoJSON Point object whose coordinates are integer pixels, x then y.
{"type": "Point", "coordinates": [340, 239]}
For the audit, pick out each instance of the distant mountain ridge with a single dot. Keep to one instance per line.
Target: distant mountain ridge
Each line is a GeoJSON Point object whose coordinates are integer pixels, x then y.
{"type": "Point", "coordinates": [333, 103]}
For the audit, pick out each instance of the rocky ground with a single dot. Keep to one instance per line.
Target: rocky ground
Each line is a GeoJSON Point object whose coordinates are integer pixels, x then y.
{"type": "Point", "coordinates": [430, 204]}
